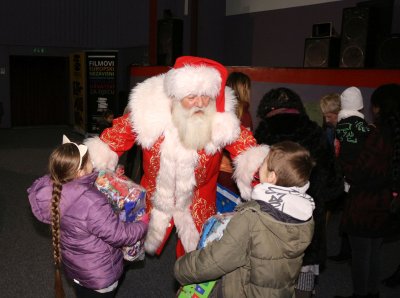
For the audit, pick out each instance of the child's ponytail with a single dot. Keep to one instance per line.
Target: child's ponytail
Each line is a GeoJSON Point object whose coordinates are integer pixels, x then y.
{"type": "Point", "coordinates": [55, 229]}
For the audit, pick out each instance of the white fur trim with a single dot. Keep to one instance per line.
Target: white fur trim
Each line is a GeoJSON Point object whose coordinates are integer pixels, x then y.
{"type": "Point", "coordinates": [246, 165]}
{"type": "Point", "coordinates": [226, 126]}
{"type": "Point", "coordinates": [192, 80]}
{"type": "Point", "coordinates": [158, 225]}
{"type": "Point", "coordinates": [101, 155]}
{"type": "Point", "coordinates": [174, 192]}
{"type": "Point", "coordinates": [230, 100]}
{"type": "Point", "coordinates": [225, 130]}
{"type": "Point", "coordinates": [186, 229]}
{"type": "Point", "coordinates": [150, 110]}
{"type": "Point", "coordinates": [151, 114]}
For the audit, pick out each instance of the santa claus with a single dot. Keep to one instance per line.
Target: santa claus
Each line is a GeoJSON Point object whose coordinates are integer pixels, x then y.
{"type": "Point", "coordinates": [182, 119]}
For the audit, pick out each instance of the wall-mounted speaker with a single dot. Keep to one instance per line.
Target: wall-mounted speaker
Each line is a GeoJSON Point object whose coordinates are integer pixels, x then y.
{"type": "Point", "coordinates": [388, 54]}
{"type": "Point", "coordinates": [169, 40]}
{"type": "Point", "coordinates": [321, 52]}
{"type": "Point", "coordinates": [354, 37]}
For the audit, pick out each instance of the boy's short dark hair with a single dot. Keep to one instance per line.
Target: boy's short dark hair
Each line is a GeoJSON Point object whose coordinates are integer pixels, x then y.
{"type": "Point", "coordinates": [291, 162]}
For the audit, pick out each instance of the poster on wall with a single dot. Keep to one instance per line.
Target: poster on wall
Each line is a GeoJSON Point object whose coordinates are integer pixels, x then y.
{"type": "Point", "coordinates": [101, 86]}
{"type": "Point", "coordinates": [78, 90]}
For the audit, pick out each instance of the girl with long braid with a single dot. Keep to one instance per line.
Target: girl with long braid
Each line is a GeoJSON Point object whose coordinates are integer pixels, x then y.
{"type": "Point", "coordinates": [86, 234]}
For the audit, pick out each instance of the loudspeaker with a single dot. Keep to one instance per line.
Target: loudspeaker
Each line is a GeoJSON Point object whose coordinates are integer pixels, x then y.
{"type": "Point", "coordinates": [322, 30]}
{"type": "Point", "coordinates": [169, 40]}
{"type": "Point", "coordinates": [354, 37]}
{"type": "Point", "coordinates": [388, 54]}
{"type": "Point", "coordinates": [321, 52]}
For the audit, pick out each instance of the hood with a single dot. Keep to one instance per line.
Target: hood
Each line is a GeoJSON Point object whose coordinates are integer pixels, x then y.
{"type": "Point", "coordinates": [292, 201]}
{"type": "Point", "coordinates": [40, 193]}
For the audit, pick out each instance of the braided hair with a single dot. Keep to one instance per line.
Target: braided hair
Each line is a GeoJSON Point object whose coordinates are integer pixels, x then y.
{"type": "Point", "coordinates": [63, 167]}
{"type": "Point", "coordinates": [387, 99]}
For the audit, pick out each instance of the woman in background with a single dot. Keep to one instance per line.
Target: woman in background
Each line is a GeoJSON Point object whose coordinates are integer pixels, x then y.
{"type": "Point", "coordinates": [283, 118]}
{"type": "Point", "coordinates": [241, 84]}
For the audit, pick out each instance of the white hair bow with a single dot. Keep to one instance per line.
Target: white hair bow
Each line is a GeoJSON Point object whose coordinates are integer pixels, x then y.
{"type": "Point", "coordinates": [82, 149]}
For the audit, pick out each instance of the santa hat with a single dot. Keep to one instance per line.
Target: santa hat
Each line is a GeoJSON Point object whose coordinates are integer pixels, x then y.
{"type": "Point", "coordinates": [351, 99]}
{"type": "Point", "coordinates": [197, 76]}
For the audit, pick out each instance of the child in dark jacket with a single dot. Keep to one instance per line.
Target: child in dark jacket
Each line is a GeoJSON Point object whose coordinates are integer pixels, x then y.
{"type": "Point", "coordinates": [266, 237]}
{"type": "Point", "coordinates": [87, 236]}
{"type": "Point", "coordinates": [351, 129]}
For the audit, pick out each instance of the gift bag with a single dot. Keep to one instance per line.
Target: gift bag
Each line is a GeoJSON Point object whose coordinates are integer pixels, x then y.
{"type": "Point", "coordinates": [226, 199]}
{"type": "Point", "coordinates": [213, 230]}
{"type": "Point", "coordinates": [127, 199]}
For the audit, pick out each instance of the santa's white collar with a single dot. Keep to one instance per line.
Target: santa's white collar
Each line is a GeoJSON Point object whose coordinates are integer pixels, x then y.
{"type": "Point", "coordinates": [151, 115]}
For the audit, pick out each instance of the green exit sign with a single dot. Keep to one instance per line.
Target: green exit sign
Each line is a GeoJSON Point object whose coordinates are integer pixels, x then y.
{"type": "Point", "coordinates": [39, 50]}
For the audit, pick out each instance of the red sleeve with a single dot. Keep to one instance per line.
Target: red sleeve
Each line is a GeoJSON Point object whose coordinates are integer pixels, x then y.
{"type": "Point", "coordinates": [246, 120]}
{"type": "Point", "coordinates": [120, 137]}
{"type": "Point", "coordinates": [242, 143]}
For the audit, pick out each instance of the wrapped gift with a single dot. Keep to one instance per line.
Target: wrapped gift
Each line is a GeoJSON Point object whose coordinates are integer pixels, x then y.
{"type": "Point", "coordinates": [226, 199]}
{"type": "Point", "coordinates": [127, 199]}
{"type": "Point", "coordinates": [213, 230]}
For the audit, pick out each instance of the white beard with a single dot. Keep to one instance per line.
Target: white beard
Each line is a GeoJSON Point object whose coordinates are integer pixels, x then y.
{"type": "Point", "coordinates": [194, 129]}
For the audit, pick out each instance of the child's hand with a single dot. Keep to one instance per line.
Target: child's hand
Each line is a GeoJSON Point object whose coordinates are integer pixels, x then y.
{"type": "Point", "coordinates": [145, 218]}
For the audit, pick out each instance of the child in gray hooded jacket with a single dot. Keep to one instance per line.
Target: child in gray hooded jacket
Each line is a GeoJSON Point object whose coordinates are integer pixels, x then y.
{"type": "Point", "coordinates": [261, 250]}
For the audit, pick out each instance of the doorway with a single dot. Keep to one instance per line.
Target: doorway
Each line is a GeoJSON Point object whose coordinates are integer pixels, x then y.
{"type": "Point", "coordinates": [39, 90]}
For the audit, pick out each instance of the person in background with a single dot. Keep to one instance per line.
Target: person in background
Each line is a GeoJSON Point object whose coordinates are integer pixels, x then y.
{"type": "Point", "coordinates": [283, 118]}
{"type": "Point", "coordinates": [87, 236]}
{"type": "Point", "coordinates": [183, 120]}
{"type": "Point", "coordinates": [106, 120]}
{"type": "Point", "coordinates": [351, 129]}
{"type": "Point", "coordinates": [330, 105]}
{"type": "Point", "coordinates": [241, 85]}
{"type": "Point", "coordinates": [330, 108]}
{"type": "Point", "coordinates": [265, 238]}
{"type": "Point", "coordinates": [351, 132]}
{"type": "Point", "coordinates": [374, 177]}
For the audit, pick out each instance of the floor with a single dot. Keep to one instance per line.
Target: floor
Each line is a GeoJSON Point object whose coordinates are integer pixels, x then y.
{"type": "Point", "coordinates": [25, 245]}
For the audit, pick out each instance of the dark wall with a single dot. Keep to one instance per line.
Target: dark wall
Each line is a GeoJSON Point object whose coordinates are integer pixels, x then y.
{"type": "Point", "coordinates": [75, 23]}
{"type": "Point", "coordinates": [276, 38]}
{"type": "Point", "coordinates": [272, 38]}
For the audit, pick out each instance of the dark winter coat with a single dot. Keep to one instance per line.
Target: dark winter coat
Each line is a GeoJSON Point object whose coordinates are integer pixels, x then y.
{"type": "Point", "coordinates": [326, 183]}
{"type": "Point", "coordinates": [351, 133]}
{"type": "Point", "coordinates": [91, 234]}
{"type": "Point", "coordinates": [366, 213]}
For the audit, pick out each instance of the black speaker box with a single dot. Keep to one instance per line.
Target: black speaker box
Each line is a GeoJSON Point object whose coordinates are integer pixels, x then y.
{"type": "Point", "coordinates": [169, 40]}
{"type": "Point", "coordinates": [388, 54]}
{"type": "Point", "coordinates": [321, 52]}
{"type": "Point", "coordinates": [354, 37]}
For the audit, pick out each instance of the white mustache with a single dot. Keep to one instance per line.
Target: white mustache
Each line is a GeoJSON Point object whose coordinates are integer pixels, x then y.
{"type": "Point", "coordinates": [195, 110]}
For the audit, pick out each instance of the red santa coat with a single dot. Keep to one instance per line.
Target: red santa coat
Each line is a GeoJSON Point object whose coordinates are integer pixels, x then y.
{"type": "Point", "coordinates": [180, 182]}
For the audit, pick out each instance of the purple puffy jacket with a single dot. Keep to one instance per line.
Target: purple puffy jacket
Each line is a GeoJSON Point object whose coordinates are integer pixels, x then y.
{"type": "Point", "coordinates": [91, 234]}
